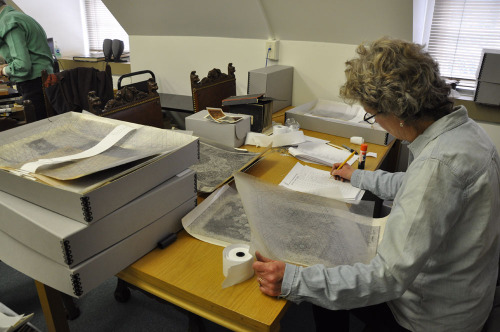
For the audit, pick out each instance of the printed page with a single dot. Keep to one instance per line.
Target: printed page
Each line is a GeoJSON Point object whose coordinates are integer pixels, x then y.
{"type": "Point", "coordinates": [318, 182]}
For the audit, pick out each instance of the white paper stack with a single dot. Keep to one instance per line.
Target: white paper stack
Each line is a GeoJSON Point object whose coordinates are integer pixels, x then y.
{"type": "Point", "coordinates": [72, 234]}
{"type": "Point", "coordinates": [320, 153]}
{"type": "Point", "coordinates": [317, 182]}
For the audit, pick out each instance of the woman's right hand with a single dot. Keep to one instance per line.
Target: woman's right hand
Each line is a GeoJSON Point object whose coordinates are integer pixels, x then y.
{"type": "Point", "coordinates": [342, 174]}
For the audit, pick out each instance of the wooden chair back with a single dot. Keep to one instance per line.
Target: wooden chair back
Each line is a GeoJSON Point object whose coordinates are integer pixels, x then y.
{"type": "Point", "coordinates": [131, 105]}
{"type": "Point", "coordinates": [211, 90]}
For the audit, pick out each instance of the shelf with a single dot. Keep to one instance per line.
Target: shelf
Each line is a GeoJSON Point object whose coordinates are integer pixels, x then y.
{"type": "Point", "coordinates": [117, 68]}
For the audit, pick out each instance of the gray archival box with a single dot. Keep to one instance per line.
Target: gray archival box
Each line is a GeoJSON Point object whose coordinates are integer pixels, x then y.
{"type": "Point", "coordinates": [69, 242]}
{"type": "Point", "coordinates": [275, 82]}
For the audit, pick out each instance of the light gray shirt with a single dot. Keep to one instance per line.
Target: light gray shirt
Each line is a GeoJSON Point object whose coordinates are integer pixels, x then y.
{"type": "Point", "coordinates": [437, 263]}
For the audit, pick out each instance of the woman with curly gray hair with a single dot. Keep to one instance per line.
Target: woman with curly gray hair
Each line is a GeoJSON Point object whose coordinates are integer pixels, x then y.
{"type": "Point", "coordinates": [437, 264]}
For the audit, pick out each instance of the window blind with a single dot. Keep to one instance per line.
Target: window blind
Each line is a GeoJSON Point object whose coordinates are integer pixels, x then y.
{"type": "Point", "coordinates": [101, 24]}
{"type": "Point", "coordinates": [460, 30]}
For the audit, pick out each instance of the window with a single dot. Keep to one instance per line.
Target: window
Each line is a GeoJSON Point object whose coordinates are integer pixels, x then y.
{"type": "Point", "coordinates": [460, 29]}
{"type": "Point", "coordinates": [101, 24]}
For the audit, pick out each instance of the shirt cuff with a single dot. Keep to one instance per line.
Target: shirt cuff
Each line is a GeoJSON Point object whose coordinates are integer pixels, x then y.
{"type": "Point", "coordinates": [288, 278]}
{"type": "Point", "coordinates": [356, 178]}
{"type": "Point", "coordinates": [4, 71]}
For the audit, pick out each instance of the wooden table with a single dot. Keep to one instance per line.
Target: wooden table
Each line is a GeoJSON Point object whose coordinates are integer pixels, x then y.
{"type": "Point", "coordinates": [188, 273]}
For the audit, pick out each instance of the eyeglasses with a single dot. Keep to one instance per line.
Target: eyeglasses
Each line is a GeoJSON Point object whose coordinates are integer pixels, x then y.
{"type": "Point", "coordinates": [370, 118]}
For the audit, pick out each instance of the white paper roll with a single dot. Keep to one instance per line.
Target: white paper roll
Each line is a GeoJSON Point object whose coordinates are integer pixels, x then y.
{"type": "Point", "coordinates": [357, 140]}
{"type": "Point", "coordinates": [236, 264]}
{"type": "Point", "coordinates": [280, 129]}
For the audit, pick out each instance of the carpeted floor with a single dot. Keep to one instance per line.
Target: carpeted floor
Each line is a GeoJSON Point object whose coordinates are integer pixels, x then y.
{"type": "Point", "coordinates": [101, 312]}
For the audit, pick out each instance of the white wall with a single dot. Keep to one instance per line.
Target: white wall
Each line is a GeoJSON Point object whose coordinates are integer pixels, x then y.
{"type": "Point", "coordinates": [173, 38]}
{"type": "Point", "coordinates": [493, 131]}
{"type": "Point", "coordinates": [316, 37]}
{"type": "Point", "coordinates": [61, 20]}
{"type": "Point", "coordinates": [319, 67]}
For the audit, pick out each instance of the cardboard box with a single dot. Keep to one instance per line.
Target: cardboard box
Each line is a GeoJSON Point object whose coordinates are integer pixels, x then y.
{"type": "Point", "coordinates": [114, 187]}
{"type": "Point", "coordinates": [371, 134]}
{"type": "Point", "coordinates": [69, 242]}
{"type": "Point", "coordinates": [89, 274]}
{"type": "Point", "coordinates": [275, 82]}
{"type": "Point", "coordinates": [229, 134]}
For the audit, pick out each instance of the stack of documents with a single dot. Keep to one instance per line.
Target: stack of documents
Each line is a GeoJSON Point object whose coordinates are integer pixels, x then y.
{"type": "Point", "coordinates": [82, 197]}
{"type": "Point", "coordinates": [317, 182]}
{"type": "Point", "coordinates": [320, 153]}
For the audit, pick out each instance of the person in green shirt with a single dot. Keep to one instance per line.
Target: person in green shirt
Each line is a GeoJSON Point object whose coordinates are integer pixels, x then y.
{"type": "Point", "coordinates": [23, 45]}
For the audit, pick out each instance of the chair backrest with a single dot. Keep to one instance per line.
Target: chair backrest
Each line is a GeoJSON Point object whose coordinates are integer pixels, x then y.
{"type": "Point", "coordinates": [141, 85]}
{"type": "Point", "coordinates": [211, 90]}
{"type": "Point", "coordinates": [68, 90]}
{"type": "Point", "coordinates": [131, 105]}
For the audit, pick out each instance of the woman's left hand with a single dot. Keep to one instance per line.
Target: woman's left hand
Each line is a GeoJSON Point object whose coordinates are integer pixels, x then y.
{"type": "Point", "coordinates": [269, 274]}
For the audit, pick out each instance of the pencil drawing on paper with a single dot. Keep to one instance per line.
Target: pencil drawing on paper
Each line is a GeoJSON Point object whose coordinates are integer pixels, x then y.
{"type": "Point", "coordinates": [217, 165]}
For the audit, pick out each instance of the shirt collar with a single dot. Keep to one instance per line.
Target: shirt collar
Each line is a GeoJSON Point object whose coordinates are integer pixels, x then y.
{"type": "Point", "coordinates": [456, 118]}
{"type": "Point", "coordinates": [2, 8]}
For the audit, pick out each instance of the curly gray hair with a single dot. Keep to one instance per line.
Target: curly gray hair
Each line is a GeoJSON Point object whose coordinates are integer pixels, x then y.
{"type": "Point", "coordinates": [398, 77]}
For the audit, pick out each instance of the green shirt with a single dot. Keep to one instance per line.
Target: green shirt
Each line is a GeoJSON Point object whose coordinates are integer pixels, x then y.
{"type": "Point", "coordinates": [23, 44]}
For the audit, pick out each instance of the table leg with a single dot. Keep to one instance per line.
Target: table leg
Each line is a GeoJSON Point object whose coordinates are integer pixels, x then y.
{"type": "Point", "coordinates": [53, 308]}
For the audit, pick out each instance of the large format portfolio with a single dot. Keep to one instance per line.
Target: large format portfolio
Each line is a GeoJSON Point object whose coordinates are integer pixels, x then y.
{"type": "Point", "coordinates": [82, 197]}
{"type": "Point", "coordinates": [154, 155]}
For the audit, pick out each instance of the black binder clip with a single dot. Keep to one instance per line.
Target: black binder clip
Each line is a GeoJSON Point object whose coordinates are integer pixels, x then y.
{"type": "Point", "coordinates": [168, 240]}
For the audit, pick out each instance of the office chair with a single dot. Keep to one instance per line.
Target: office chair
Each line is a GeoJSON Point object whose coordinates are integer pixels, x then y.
{"type": "Point", "coordinates": [211, 90]}
{"type": "Point", "coordinates": [68, 90]}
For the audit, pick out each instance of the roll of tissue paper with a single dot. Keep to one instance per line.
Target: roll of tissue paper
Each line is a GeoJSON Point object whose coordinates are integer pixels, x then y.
{"type": "Point", "coordinates": [236, 264]}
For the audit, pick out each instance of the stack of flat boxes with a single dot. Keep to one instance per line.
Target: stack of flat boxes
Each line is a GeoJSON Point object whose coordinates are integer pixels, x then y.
{"type": "Point", "coordinates": [73, 242]}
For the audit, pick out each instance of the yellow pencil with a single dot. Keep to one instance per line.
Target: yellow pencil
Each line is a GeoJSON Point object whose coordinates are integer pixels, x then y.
{"type": "Point", "coordinates": [342, 165]}
{"type": "Point", "coordinates": [350, 156]}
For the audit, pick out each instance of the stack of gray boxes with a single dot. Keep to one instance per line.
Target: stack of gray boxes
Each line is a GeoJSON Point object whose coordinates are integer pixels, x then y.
{"type": "Point", "coordinates": [488, 78]}
{"type": "Point", "coordinates": [74, 241]}
{"type": "Point", "coordinates": [275, 82]}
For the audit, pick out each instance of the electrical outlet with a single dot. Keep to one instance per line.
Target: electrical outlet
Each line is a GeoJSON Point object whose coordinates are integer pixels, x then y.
{"type": "Point", "coordinates": [273, 53]}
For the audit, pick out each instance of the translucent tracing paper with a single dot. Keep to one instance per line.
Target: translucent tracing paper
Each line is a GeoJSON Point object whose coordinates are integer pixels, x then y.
{"type": "Point", "coordinates": [282, 224]}
{"type": "Point", "coordinates": [220, 219]}
{"type": "Point", "coordinates": [305, 229]}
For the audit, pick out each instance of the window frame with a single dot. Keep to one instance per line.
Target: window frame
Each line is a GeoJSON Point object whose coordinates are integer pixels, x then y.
{"type": "Point", "coordinates": [466, 85]}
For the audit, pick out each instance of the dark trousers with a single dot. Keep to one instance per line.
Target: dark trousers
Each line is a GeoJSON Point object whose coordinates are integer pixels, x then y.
{"type": "Point", "coordinates": [377, 318]}
{"type": "Point", "coordinates": [32, 90]}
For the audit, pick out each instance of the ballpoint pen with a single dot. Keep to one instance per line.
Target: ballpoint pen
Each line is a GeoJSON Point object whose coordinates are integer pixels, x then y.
{"type": "Point", "coordinates": [342, 165]}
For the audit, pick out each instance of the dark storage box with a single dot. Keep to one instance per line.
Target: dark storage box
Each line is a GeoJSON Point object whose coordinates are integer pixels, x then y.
{"type": "Point", "coordinates": [257, 106]}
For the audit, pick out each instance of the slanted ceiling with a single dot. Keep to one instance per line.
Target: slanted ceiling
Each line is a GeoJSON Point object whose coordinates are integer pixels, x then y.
{"type": "Point", "coordinates": [333, 21]}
